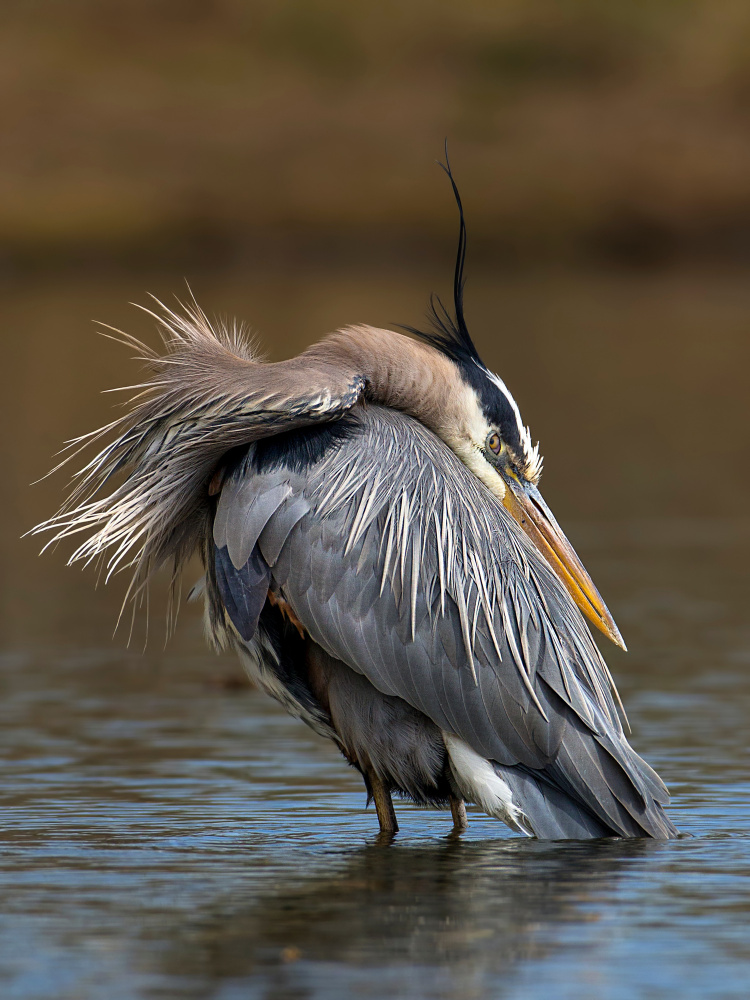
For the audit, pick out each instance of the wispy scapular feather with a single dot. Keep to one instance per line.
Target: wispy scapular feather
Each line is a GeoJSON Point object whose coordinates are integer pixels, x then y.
{"type": "Point", "coordinates": [205, 395]}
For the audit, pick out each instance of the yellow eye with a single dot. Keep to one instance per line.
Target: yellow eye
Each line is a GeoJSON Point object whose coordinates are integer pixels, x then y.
{"type": "Point", "coordinates": [494, 443]}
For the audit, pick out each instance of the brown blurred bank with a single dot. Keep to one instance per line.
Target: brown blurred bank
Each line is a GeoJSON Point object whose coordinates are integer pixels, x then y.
{"type": "Point", "coordinates": [173, 130]}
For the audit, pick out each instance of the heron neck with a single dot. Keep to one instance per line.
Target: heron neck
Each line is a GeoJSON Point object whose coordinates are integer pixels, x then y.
{"type": "Point", "coordinates": [401, 373]}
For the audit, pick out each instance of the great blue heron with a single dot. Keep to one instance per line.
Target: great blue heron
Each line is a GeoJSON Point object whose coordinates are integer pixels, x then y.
{"type": "Point", "coordinates": [378, 553]}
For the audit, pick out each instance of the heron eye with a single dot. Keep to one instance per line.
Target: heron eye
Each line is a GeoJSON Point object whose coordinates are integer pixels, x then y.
{"type": "Point", "coordinates": [494, 443]}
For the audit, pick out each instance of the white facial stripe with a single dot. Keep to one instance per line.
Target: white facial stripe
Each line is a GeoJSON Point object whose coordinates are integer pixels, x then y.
{"type": "Point", "coordinates": [465, 433]}
{"type": "Point", "coordinates": [533, 458]}
{"type": "Point", "coordinates": [497, 381]}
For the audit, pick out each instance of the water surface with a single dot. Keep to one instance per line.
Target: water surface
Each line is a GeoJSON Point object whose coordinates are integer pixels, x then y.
{"type": "Point", "coordinates": [167, 832]}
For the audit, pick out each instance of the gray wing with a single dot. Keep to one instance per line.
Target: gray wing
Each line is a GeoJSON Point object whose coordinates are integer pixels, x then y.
{"type": "Point", "coordinates": [399, 562]}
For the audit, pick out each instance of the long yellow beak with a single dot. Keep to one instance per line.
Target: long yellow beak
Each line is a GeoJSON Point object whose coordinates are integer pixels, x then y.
{"type": "Point", "coordinates": [527, 506]}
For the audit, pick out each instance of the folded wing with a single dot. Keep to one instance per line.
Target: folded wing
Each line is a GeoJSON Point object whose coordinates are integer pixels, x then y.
{"type": "Point", "coordinates": [400, 563]}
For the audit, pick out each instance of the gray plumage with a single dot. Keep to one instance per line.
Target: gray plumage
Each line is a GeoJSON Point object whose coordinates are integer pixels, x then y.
{"type": "Point", "coordinates": [470, 646]}
{"type": "Point", "coordinates": [367, 575]}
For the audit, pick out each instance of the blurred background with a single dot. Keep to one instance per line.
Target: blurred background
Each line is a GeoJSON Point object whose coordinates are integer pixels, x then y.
{"type": "Point", "coordinates": [197, 132]}
{"type": "Point", "coordinates": [279, 156]}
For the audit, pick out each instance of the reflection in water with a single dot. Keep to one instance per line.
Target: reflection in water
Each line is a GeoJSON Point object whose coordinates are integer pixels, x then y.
{"type": "Point", "coordinates": [464, 915]}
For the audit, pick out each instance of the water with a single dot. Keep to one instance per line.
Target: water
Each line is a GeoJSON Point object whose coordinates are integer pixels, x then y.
{"type": "Point", "coordinates": [168, 832]}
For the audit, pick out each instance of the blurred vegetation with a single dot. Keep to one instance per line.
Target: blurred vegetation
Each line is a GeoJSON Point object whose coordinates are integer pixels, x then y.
{"type": "Point", "coordinates": [162, 129]}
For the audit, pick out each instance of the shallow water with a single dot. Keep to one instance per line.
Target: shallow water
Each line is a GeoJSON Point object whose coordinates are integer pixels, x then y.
{"type": "Point", "coordinates": [167, 832]}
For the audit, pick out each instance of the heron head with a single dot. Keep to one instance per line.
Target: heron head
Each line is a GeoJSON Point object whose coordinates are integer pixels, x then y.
{"type": "Point", "coordinates": [483, 426]}
{"type": "Point", "coordinates": [497, 446]}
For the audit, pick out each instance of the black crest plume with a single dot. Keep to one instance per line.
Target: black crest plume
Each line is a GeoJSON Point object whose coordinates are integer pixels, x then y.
{"type": "Point", "coordinates": [449, 333]}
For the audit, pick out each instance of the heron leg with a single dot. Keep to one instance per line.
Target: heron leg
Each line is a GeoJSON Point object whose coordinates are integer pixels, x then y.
{"type": "Point", "coordinates": [458, 812]}
{"type": "Point", "coordinates": [383, 803]}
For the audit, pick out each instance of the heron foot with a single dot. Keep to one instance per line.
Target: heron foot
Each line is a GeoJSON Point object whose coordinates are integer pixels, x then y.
{"type": "Point", "coordinates": [458, 812]}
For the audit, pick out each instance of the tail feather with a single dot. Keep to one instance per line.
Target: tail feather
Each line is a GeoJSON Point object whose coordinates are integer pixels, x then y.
{"type": "Point", "coordinates": [586, 792]}
{"type": "Point", "coordinates": [602, 772]}
{"type": "Point", "coordinates": [551, 813]}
